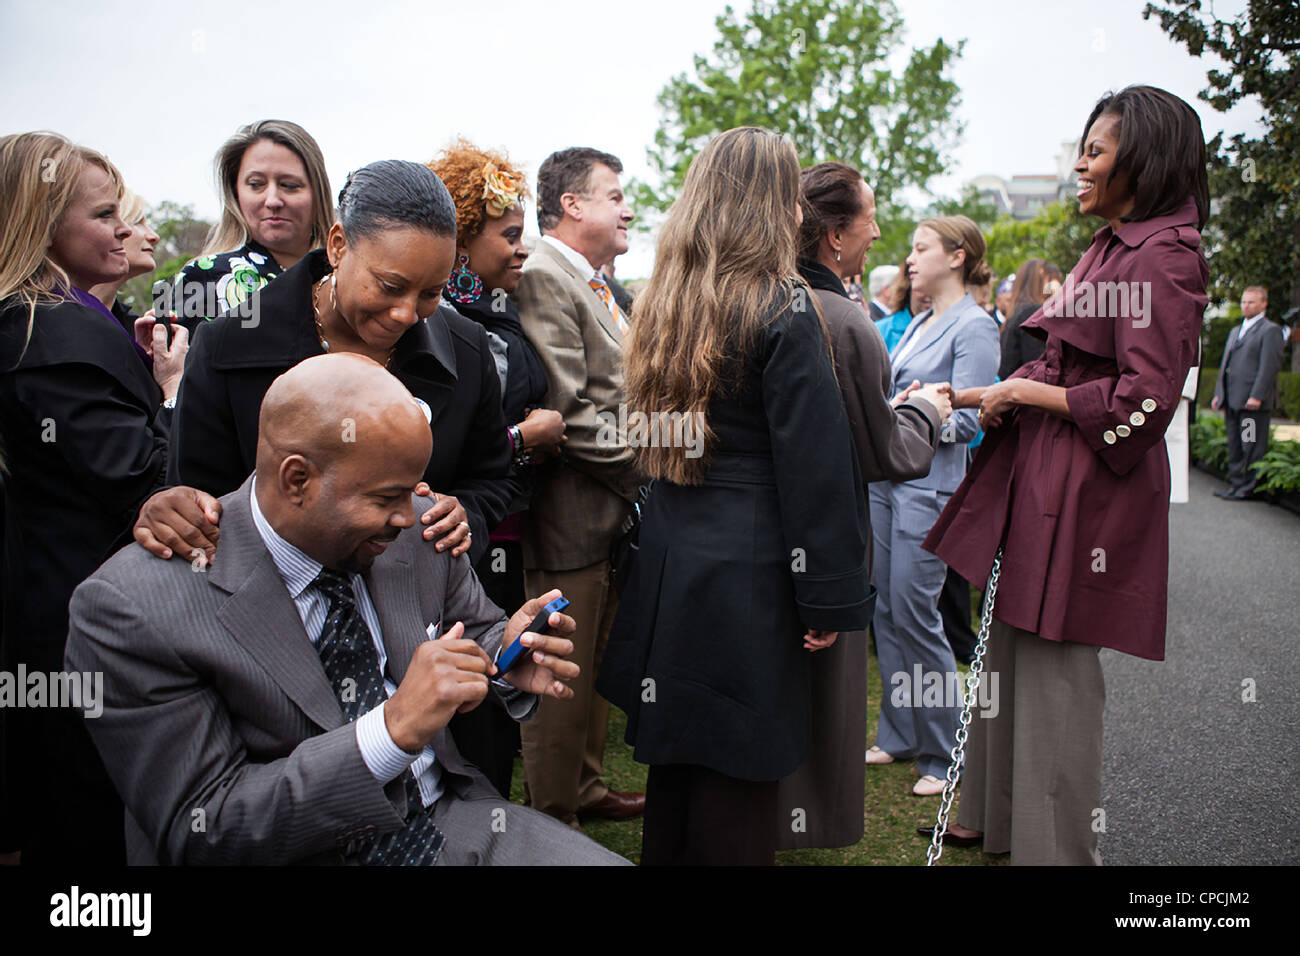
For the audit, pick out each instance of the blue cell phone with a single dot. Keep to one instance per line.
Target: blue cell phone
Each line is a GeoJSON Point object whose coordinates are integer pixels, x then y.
{"type": "Point", "coordinates": [517, 653]}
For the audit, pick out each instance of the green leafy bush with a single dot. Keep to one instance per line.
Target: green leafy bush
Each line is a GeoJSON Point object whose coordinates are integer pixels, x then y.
{"type": "Point", "coordinates": [1205, 391]}
{"type": "Point", "coordinates": [1288, 394]}
{"type": "Point", "coordinates": [1209, 441]}
{"type": "Point", "coordinates": [1279, 469]}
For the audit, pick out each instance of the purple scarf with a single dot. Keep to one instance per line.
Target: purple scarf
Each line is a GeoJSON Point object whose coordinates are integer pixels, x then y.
{"type": "Point", "coordinates": [90, 302]}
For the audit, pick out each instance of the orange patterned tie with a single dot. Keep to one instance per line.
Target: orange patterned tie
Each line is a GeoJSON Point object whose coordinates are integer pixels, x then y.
{"type": "Point", "coordinates": [601, 288]}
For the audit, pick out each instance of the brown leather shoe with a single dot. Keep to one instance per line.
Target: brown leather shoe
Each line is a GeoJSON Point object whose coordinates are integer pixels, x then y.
{"type": "Point", "coordinates": [616, 805]}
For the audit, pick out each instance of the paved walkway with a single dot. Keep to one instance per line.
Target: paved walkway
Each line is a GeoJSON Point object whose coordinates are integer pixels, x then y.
{"type": "Point", "coordinates": [1191, 773]}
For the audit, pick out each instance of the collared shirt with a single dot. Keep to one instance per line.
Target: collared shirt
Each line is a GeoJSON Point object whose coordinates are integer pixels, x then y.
{"type": "Point", "coordinates": [384, 759]}
{"type": "Point", "coordinates": [585, 268]}
{"type": "Point", "coordinates": [1246, 325]}
{"type": "Point", "coordinates": [579, 261]}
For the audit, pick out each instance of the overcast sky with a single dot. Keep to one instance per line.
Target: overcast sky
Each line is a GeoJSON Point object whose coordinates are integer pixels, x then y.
{"type": "Point", "coordinates": [159, 85]}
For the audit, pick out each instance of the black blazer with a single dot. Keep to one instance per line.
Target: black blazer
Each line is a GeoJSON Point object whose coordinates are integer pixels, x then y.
{"type": "Point", "coordinates": [733, 570]}
{"type": "Point", "coordinates": [85, 444]}
{"type": "Point", "coordinates": [1018, 346]}
{"type": "Point", "coordinates": [446, 362]}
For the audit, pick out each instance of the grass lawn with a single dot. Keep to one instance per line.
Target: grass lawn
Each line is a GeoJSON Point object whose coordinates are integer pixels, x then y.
{"type": "Point", "coordinates": [890, 812]}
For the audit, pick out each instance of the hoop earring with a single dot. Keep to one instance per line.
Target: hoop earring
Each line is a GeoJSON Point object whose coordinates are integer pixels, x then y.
{"type": "Point", "coordinates": [464, 286]}
{"type": "Point", "coordinates": [334, 301]}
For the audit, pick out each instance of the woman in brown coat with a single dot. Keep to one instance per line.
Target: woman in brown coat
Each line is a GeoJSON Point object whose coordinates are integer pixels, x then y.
{"type": "Point", "coordinates": [821, 803]}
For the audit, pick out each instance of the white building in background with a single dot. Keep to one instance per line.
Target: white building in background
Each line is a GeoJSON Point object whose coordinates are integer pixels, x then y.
{"type": "Point", "coordinates": [1023, 196]}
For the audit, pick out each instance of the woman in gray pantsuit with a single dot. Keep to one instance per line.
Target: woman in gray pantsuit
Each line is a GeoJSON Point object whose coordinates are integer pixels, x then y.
{"type": "Point", "coordinates": [820, 805]}
{"type": "Point", "coordinates": [955, 341]}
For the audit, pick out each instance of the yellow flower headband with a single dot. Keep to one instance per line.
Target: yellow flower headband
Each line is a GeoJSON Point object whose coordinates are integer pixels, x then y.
{"type": "Point", "coordinates": [501, 190]}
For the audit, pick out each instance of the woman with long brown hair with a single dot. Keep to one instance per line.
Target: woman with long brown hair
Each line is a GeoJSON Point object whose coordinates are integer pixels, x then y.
{"type": "Point", "coordinates": [752, 550]}
{"type": "Point", "coordinates": [1036, 281]}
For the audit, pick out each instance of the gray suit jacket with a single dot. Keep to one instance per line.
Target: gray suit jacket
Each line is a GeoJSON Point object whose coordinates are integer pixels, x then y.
{"type": "Point", "coordinates": [893, 444]}
{"type": "Point", "coordinates": [581, 500]}
{"type": "Point", "coordinates": [220, 729]}
{"type": "Point", "coordinates": [961, 347]}
{"type": "Point", "coordinates": [1249, 366]}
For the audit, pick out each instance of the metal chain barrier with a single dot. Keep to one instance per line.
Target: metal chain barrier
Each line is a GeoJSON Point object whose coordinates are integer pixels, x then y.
{"type": "Point", "coordinates": [935, 850]}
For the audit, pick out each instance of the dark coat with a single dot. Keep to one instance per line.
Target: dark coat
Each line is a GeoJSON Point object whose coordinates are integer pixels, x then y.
{"type": "Point", "coordinates": [1018, 346]}
{"type": "Point", "coordinates": [892, 445]}
{"type": "Point", "coordinates": [85, 446]}
{"type": "Point", "coordinates": [445, 361]}
{"type": "Point", "coordinates": [85, 443]}
{"type": "Point", "coordinates": [1083, 505]}
{"type": "Point", "coordinates": [525, 377]}
{"type": "Point", "coordinates": [732, 571]}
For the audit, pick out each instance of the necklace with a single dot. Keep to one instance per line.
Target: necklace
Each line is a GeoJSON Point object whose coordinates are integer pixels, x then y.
{"type": "Point", "coordinates": [320, 326]}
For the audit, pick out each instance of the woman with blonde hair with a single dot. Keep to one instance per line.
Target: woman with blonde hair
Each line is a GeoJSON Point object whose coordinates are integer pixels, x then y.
{"type": "Point", "coordinates": [752, 548]}
{"type": "Point", "coordinates": [140, 261]}
{"type": "Point", "coordinates": [85, 437]}
{"type": "Point", "coordinates": [276, 206]}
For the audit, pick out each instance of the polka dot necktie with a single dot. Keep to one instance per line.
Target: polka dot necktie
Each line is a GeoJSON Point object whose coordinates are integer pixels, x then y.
{"type": "Point", "coordinates": [601, 288]}
{"type": "Point", "coordinates": [347, 649]}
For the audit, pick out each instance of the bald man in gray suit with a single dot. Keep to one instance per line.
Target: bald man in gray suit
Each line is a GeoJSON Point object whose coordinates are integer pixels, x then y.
{"type": "Point", "coordinates": [287, 704]}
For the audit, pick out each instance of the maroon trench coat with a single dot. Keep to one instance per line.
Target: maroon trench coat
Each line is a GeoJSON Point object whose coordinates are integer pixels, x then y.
{"type": "Point", "coordinates": [1082, 507]}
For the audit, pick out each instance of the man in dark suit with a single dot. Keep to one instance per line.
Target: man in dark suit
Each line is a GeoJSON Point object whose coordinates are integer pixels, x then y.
{"type": "Point", "coordinates": [1247, 390]}
{"type": "Point", "coordinates": [287, 704]}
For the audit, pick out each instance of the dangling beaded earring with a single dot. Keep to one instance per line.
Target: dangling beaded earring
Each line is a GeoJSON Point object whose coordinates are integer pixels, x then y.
{"type": "Point", "coordinates": [464, 286]}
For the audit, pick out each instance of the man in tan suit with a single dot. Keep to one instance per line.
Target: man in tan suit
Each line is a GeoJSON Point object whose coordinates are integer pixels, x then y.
{"type": "Point", "coordinates": [569, 315]}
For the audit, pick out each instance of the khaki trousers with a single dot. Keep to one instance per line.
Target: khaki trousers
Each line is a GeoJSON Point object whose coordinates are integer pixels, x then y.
{"type": "Point", "coordinates": [564, 743]}
{"type": "Point", "coordinates": [1032, 781]}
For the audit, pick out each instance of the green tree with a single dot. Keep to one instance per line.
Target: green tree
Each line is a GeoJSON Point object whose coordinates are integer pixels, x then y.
{"type": "Point", "coordinates": [817, 70]}
{"type": "Point", "coordinates": [1253, 237]}
{"type": "Point", "coordinates": [1059, 233]}
{"type": "Point", "coordinates": [180, 237]}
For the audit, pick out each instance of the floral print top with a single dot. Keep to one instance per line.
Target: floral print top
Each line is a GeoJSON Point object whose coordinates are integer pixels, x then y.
{"type": "Point", "coordinates": [210, 286]}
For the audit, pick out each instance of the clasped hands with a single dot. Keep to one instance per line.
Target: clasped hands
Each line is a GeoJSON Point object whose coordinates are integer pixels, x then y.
{"type": "Point", "coordinates": [938, 394]}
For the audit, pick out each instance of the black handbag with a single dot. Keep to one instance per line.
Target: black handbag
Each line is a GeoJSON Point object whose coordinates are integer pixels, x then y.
{"type": "Point", "coordinates": [623, 550]}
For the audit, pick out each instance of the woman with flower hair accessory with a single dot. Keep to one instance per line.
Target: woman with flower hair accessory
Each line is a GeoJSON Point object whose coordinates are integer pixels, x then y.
{"type": "Point", "coordinates": [489, 195]}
